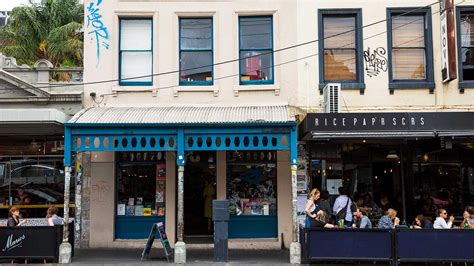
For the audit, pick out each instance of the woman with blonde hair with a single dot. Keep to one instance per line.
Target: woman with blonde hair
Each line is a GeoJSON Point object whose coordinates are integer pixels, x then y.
{"type": "Point", "coordinates": [320, 221]}
{"type": "Point", "coordinates": [311, 207]}
{"type": "Point", "coordinates": [390, 220]}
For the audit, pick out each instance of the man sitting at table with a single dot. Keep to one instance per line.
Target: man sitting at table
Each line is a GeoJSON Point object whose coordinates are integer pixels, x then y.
{"type": "Point", "coordinates": [440, 222]}
{"type": "Point", "coordinates": [362, 221]}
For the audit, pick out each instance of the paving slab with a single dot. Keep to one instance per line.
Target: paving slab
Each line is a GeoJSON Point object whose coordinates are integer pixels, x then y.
{"type": "Point", "coordinates": [194, 256]}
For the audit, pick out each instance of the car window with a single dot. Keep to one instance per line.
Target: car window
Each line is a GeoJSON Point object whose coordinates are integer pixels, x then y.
{"type": "Point", "coordinates": [33, 171]}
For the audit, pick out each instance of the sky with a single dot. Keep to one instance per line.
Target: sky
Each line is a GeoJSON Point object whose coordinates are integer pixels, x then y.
{"type": "Point", "coordinates": [8, 5]}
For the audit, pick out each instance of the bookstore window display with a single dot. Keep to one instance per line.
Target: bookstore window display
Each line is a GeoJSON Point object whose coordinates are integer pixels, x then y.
{"type": "Point", "coordinates": [252, 183]}
{"type": "Point", "coordinates": [141, 184]}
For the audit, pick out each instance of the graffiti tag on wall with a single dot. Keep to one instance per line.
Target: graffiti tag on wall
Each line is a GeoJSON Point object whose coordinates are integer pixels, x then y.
{"type": "Point", "coordinates": [375, 61]}
{"type": "Point", "coordinates": [96, 28]}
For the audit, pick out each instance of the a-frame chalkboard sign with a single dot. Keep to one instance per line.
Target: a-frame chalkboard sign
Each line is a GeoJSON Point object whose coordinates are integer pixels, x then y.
{"type": "Point", "coordinates": [157, 227]}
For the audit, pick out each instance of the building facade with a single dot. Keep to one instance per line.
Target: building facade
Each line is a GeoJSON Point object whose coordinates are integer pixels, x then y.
{"type": "Point", "coordinates": [33, 110]}
{"type": "Point", "coordinates": [154, 69]}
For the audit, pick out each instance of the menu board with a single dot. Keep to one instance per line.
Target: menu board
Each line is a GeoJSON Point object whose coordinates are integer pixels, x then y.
{"type": "Point", "coordinates": [160, 229]}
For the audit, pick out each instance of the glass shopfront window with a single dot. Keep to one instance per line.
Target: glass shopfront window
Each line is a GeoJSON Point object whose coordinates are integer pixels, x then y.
{"type": "Point", "coordinates": [32, 176]}
{"type": "Point", "coordinates": [141, 184]}
{"type": "Point", "coordinates": [252, 182]}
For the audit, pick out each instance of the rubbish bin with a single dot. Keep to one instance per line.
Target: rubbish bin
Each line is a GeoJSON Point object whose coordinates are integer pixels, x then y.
{"type": "Point", "coordinates": [220, 216]}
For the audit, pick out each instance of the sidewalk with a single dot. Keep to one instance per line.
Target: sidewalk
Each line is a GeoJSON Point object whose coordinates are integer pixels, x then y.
{"type": "Point", "coordinates": [194, 256]}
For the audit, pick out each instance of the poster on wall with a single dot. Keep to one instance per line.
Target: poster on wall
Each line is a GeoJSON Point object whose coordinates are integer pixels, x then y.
{"type": "Point", "coordinates": [302, 170]}
{"type": "Point", "coordinates": [160, 189]}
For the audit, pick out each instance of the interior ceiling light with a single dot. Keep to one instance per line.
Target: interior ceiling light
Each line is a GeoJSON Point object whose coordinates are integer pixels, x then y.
{"type": "Point", "coordinates": [392, 155]}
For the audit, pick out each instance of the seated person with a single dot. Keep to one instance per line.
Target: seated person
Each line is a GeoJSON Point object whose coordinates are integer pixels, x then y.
{"type": "Point", "coordinates": [440, 222]}
{"type": "Point", "coordinates": [422, 223]}
{"type": "Point", "coordinates": [390, 220]}
{"type": "Point", "coordinates": [23, 197]}
{"type": "Point", "coordinates": [468, 215]}
{"type": "Point", "coordinates": [361, 219]}
{"type": "Point", "coordinates": [52, 216]}
{"type": "Point", "coordinates": [320, 221]}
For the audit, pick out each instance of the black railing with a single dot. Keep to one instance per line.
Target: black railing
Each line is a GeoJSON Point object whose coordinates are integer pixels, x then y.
{"type": "Point", "coordinates": [391, 246]}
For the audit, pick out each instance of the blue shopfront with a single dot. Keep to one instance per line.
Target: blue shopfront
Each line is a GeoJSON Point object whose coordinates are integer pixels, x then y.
{"type": "Point", "coordinates": [237, 153]}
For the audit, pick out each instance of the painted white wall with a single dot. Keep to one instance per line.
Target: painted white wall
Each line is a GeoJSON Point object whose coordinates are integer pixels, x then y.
{"type": "Point", "coordinates": [295, 83]}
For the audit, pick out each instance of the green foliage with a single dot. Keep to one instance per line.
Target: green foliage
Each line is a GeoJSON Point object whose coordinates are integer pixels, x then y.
{"type": "Point", "coordinates": [50, 29]}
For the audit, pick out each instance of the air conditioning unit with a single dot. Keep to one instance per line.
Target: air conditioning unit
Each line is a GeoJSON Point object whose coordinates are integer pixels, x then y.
{"type": "Point", "coordinates": [331, 93]}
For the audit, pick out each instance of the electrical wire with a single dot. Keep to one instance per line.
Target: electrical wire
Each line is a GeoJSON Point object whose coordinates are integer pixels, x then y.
{"type": "Point", "coordinates": [276, 65]}
{"type": "Point", "coordinates": [238, 59]}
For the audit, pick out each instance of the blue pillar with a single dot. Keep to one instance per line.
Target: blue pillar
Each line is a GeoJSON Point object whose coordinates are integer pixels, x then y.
{"type": "Point", "coordinates": [295, 247]}
{"type": "Point", "coordinates": [180, 247]}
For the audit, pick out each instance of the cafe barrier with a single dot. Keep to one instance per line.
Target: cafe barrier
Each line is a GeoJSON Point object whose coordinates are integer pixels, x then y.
{"type": "Point", "coordinates": [394, 246]}
{"type": "Point", "coordinates": [348, 245]}
{"type": "Point", "coordinates": [33, 242]}
{"type": "Point", "coordinates": [435, 245]}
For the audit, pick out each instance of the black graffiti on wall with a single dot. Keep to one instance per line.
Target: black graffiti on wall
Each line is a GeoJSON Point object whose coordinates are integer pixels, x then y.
{"type": "Point", "coordinates": [375, 61]}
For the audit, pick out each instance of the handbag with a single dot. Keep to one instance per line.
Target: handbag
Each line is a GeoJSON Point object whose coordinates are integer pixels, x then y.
{"type": "Point", "coordinates": [341, 214]}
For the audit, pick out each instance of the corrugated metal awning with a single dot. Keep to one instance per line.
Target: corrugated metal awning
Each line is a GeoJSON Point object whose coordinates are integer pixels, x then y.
{"type": "Point", "coordinates": [185, 114]}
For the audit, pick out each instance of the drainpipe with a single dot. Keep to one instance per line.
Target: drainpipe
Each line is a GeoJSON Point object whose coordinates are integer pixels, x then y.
{"type": "Point", "coordinates": [295, 247]}
{"type": "Point", "coordinates": [180, 246]}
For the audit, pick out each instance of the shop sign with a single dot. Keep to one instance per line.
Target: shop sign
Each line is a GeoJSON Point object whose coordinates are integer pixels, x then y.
{"type": "Point", "coordinates": [448, 58]}
{"type": "Point", "coordinates": [22, 242]}
{"type": "Point", "coordinates": [448, 121]}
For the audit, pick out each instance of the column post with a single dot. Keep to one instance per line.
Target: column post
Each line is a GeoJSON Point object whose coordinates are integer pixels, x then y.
{"type": "Point", "coordinates": [180, 246]}
{"type": "Point", "coordinates": [65, 247]}
{"type": "Point", "coordinates": [295, 247]}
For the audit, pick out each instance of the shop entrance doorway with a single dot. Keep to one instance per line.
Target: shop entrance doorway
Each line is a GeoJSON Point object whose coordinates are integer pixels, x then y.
{"type": "Point", "coordinates": [199, 191]}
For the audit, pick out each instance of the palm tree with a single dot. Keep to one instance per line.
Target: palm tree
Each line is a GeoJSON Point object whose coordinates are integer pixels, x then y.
{"type": "Point", "coordinates": [50, 29]}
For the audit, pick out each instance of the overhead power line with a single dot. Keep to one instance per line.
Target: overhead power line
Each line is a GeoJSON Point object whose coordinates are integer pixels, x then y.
{"type": "Point", "coordinates": [244, 58]}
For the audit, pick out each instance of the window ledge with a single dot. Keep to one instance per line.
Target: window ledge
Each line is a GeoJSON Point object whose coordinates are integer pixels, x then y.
{"type": "Point", "coordinates": [411, 85]}
{"type": "Point", "coordinates": [201, 88]}
{"type": "Point", "coordinates": [117, 88]}
{"type": "Point", "coordinates": [270, 87]}
{"type": "Point", "coordinates": [465, 85]}
{"type": "Point", "coordinates": [346, 86]}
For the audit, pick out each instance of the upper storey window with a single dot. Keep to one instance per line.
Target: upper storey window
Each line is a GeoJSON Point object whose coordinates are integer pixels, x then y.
{"type": "Point", "coordinates": [465, 32]}
{"type": "Point", "coordinates": [195, 51]}
{"type": "Point", "coordinates": [256, 50]}
{"type": "Point", "coordinates": [340, 48]}
{"type": "Point", "coordinates": [136, 52]}
{"type": "Point", "coordinates": [410, 49]}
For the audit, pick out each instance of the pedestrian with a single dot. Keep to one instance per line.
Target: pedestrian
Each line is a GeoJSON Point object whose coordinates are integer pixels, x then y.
{"type": "Point", "coordinates": [389, 220]}
{"type": "Point", "coordinates": [14, 219]}
{"type": "Point", "coordinates": [422, 223]}
{"type": "Point", "coordinates": [311, 206]}
{"type": "Point", "coordinates": [53, 218]}
{"type": "Point", "coordinates": [440, 222]}
{"type": "Point", "coordinates": [324, 205]}
{"type": "Point", "coordinates": [320, 221]}
{"type": "Point", "coordinates": [342, 208]}
{"type": "Point", "coordinates": [361, 219]}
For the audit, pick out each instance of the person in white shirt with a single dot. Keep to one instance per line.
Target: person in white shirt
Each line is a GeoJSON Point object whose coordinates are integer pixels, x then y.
{"type": "Point", "coordinates": [440, 222]}
{"type": "Point", "coordinates": [343, 201]}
